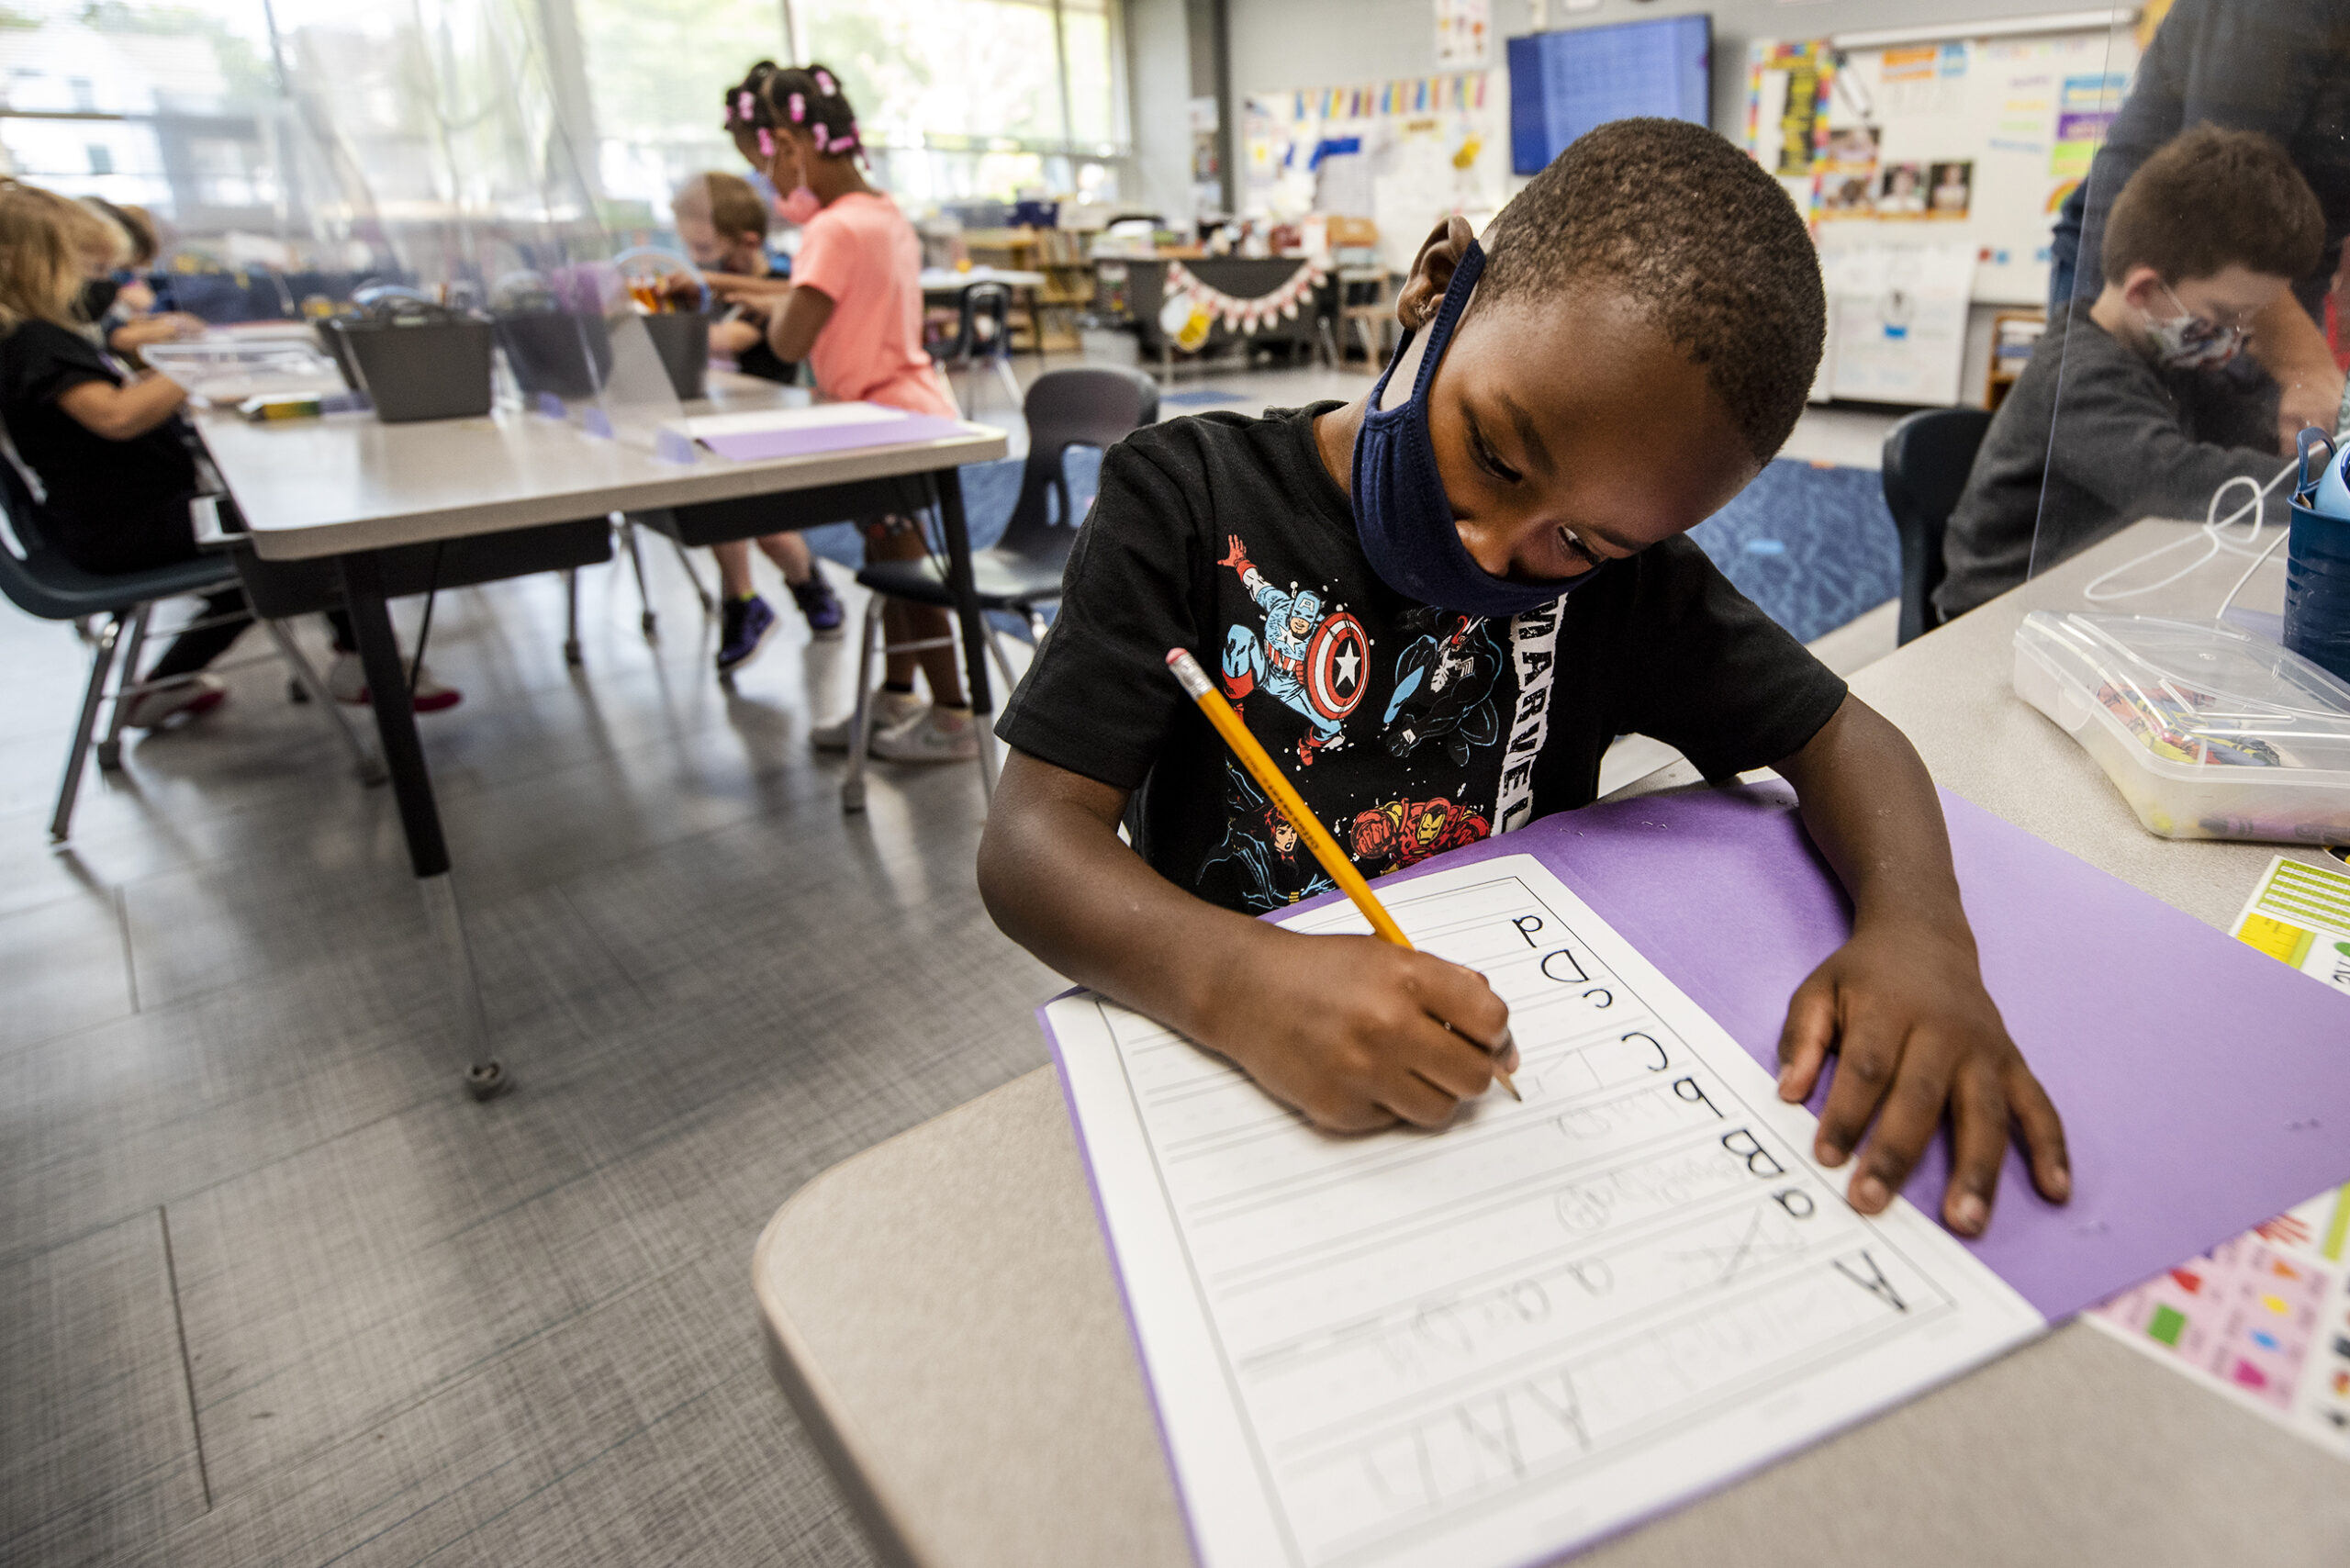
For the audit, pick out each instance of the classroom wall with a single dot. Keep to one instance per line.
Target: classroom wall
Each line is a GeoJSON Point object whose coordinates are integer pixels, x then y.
{"type": "Point", "coordinates": [1158, 93]}
{"type": "Point", "coordinates": [1317, 43]}
{"type": "Point", "coordinates": [1330, 43]}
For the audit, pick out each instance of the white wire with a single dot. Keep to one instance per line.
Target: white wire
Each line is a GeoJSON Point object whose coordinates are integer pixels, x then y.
{"type": "Point", "coordinates": [2213, 536]}
{"type": "Point", "coordinates": [2281, 535]}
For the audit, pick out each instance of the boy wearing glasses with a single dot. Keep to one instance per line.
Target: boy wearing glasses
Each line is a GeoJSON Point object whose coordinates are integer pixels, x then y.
{"type": "Point", "coordinates": [2135, 406]}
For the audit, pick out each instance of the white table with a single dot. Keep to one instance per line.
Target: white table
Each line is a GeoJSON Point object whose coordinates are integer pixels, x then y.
{"type": "Point", "coordinates": [348, 488]}
{"type": "Point", "coordinates": [940, 1311]}
{"type": "Point", "coordinates": [946, 280]}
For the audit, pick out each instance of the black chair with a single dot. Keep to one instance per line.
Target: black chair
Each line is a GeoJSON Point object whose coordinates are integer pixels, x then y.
{"type": "Point", "coordinates": [982, 336]}
{"type": "Point", "coordinates": [1094, 406]}
{"type": "Point", "coordinates": [43, 583]}
{"type": "Point", "coordinates": [1927, 459]}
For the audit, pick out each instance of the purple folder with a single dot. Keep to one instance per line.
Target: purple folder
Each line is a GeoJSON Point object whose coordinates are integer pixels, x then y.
{"type": "Point", "coordinates": [2205, 1087]}
{"type": "Point", "coordinates": [899, 429]}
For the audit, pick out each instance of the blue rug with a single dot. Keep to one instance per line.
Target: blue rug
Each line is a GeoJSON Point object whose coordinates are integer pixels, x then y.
{"type": "Point", "coordinates": [1814, 547]}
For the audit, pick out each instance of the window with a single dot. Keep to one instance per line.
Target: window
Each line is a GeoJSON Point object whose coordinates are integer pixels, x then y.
{"type": "Point", "coordinates": [656, 73]}
{"type": "Point", "coordinates": [101, 158]}
{"type": "Point", "coordinates": [956, 97]}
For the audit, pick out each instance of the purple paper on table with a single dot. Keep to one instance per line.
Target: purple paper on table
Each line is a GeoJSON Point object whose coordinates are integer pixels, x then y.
{"type": "Point", "coordinates": [806, 440]}
{"type": "Point", "coordinates": [2205, 1087]}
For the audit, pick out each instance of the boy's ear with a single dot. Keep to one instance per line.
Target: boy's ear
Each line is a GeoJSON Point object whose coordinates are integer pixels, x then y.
{"type": "Point", "coordinates": [1431, 274]}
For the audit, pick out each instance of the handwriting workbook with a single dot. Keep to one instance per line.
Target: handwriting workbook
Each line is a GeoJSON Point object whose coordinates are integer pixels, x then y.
{"type": "Point", "coordinates": [1492, 1344]}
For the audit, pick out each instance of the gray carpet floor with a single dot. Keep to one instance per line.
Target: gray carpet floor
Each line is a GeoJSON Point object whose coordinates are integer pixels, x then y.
{"type": "Point", "coordinates": [272, 1291]}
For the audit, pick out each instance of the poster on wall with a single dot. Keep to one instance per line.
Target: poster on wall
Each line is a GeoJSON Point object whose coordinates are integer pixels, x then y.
{"type": "Point", "coordinates": [1787, 113]}
{"type": "Point", "coordinates": [1464, 30]}
{"type": "Point", "coordinates": [1899, 327]}
{"type": "Point", "coordinates": [1404, 153]}
{"type": "Point", "coordinates": [1847, 174]}
{"type": "Point", "coordinates": [1976, 139]}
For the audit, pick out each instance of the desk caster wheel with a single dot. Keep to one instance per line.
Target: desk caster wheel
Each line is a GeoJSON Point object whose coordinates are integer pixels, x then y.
{"type": "Point", "coordinates": [488, 1080]}
{"type": "Point", "coordinates": [853, 795]}
{"type": "Point", "coordinates": [297, 693]}
{"type": "Point", "coordinates": [652, 624]}
{"type": "Point", "coordinates": [571, 654]}
{"type": "Point", "coordinates": [110, 756]}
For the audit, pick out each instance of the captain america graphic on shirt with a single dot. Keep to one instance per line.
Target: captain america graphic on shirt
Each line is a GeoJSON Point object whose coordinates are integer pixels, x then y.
{"type": "Point", "coordinates": [1310, 657]}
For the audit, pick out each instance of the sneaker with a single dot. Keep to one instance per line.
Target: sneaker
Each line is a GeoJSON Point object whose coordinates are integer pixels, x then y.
{"type": "Point", "coordinates": [347, 683]}
{"type": "Point", "coordinates": [743, 627]}
{"type": "Point", "coordinates": [891, 711]}
{"type": "Point", "coordinates": [194, 697]}
{"type": "Point", "coordinates": [823, 611]}
{"type": "Point", "coordinates": [940, 734]}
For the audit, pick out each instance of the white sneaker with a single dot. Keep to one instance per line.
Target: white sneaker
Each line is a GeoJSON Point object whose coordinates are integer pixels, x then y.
{"type": "Point", "coordinates": [940, 734]}
{"type": "Point", "coordinates": [891, 711]}
{"type": "Point", "coordinates": [200, 694]}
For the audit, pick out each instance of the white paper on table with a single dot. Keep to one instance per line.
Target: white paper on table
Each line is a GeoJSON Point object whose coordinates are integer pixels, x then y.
{"type": "Point", "coordinates": [819, 416]}
{"type": "Point", "coordinates": [1491, 1344]}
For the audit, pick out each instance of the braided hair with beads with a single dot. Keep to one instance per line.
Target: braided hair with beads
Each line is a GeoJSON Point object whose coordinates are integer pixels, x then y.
{"type": "Point", "coordinates": [773, 97]}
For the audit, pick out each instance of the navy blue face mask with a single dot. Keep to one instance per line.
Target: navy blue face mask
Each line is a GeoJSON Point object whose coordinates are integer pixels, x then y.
{"type": "Point", "coordinates": [1400, 511]}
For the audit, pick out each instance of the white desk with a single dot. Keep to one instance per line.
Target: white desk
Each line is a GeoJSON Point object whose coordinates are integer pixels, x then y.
{"type": "Point", "coordinates": [941, 1310]}
{"type": "Point", "coordinates": [946, 280]}
{"type": "Point", "coordinates": [348, 488]}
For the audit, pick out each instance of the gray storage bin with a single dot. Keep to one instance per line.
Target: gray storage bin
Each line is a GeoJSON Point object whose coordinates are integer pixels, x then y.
{"type": "Point", "coordinates": [682, 339]}
{"type": "Point", "coordinates": [419, 367]}
{"type": "Point", "coordinates": [559, 352]}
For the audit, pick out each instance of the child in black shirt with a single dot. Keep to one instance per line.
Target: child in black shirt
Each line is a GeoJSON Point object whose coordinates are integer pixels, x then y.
{"type": "Point", "coordinates": [1437, 606]}
{"type": "Point", "coordinates": [111, 451]}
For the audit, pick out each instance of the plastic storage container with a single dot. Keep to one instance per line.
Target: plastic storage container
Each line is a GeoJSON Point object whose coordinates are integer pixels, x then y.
{"type": "Point", "coordinates": [416, 366]}
{"type": "Point", "coordinates": [2208, 731]}
{"type": "Point", "coordinates": [682, 339]}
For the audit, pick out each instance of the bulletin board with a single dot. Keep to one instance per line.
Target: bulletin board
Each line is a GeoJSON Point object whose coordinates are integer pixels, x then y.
{"type": "Point", "coordinates": [1402, 153]}
{"type": "Point", "coordinates": [1964, 141]}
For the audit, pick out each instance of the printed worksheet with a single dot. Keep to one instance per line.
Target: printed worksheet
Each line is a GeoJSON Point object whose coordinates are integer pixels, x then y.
{"type": "Point", "coordinates": [1492, 1344]}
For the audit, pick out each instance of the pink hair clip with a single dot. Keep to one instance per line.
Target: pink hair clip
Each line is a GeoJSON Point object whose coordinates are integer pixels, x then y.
{"type": "Point", "coordinates": [823, 140]}
{"type": "Point", "coordinates": [767, 143]}
{"type": "Point", "coordinates": [744, 105]}
{"type": "Point", "coordinates": [825, 84]}
{"type": "Point", "coordinates": [798, 108]}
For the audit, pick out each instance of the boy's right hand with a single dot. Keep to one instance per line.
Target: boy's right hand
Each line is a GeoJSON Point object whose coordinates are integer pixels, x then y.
{"type": "Point", "coordinates": [1353, 1031]}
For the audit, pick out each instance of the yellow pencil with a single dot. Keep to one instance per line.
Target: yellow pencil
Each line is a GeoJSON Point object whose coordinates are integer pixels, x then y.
{"type": "Point", "coordinates": [1286, 800]}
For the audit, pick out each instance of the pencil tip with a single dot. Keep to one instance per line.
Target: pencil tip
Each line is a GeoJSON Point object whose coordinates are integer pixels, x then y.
{"type": "Point", "coordinates": [1505, 1081]}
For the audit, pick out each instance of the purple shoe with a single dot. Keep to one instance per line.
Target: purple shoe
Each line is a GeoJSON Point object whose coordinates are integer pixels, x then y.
{"type": "Point", "coordinates": [744, 625]}
{"type": "Point", "coordinates": [815, 600]}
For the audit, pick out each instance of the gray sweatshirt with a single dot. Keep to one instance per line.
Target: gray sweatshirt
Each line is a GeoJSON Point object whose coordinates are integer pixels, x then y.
{"type": "Point", "coordinates": [2131, 441]}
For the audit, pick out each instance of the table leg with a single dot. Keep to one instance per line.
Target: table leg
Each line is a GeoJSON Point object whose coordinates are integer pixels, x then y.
{"type": "Point", "coordinates": [428, 852]}
{"type": "Point", "coordinates": [967, 609]}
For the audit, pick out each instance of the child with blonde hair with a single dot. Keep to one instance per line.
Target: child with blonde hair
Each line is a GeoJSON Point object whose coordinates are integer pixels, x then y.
{"type": "Point", "coordinates": [116, 461]}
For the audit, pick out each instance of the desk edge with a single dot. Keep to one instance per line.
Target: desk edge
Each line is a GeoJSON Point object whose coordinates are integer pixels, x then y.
{"type": "Point", "coordinates": [793, 1365]}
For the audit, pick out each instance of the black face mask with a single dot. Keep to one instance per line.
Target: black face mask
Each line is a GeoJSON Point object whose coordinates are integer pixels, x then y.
{"type": "Point", "coordinates": [98, 296]}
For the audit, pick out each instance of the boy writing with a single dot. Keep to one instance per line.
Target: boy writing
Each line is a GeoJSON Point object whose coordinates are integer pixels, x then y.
{"type": "Point", "coordinates": [2206, 235]}
{"type": "Point", "coordinates": [1441, 603]}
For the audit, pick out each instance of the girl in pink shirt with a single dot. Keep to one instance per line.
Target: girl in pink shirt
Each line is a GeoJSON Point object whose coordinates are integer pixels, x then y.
{"type": "Point", "coordinates": [855, 314]}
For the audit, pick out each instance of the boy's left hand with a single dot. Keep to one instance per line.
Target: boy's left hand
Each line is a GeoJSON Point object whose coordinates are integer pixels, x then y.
{"type": "Point", "coordinates": [1902, 1003]}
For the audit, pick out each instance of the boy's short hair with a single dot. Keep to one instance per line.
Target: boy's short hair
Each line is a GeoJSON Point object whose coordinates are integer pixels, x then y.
{"type": "Point", "coordinates": [2210, 200]}
{"type": "Point", "coordinates": [1697, 232]}
{"type": "Point", "coordinates": [727, 202]}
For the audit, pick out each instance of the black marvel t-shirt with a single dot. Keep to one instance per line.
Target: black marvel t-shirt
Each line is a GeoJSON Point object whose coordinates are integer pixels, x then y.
{"type": "Point", "coordinates": [102, 495]}
{"type": "Point", "coordinates": [1409, 730]}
